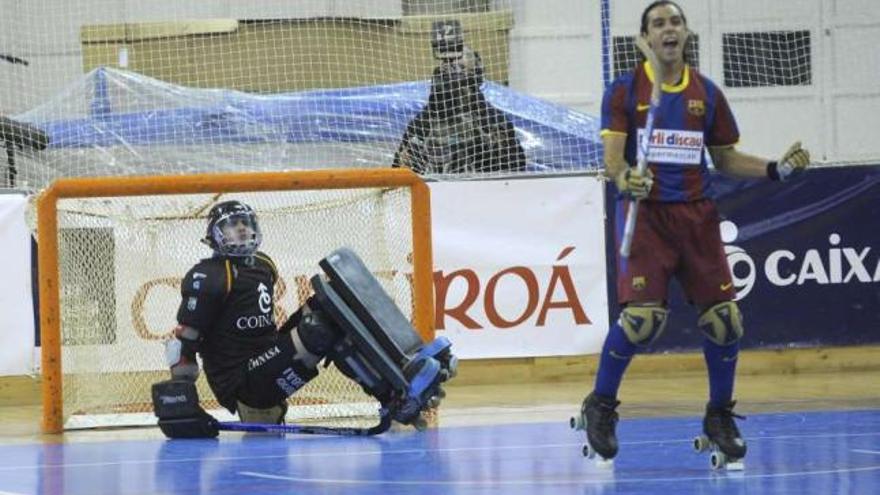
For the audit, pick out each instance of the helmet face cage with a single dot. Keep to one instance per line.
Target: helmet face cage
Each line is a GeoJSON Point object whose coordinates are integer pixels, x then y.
{"type": "Point", "coordinates": [233, 230]}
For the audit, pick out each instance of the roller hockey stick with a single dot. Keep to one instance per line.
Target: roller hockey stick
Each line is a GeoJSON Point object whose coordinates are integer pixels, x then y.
{"type": "Point", "coordinates": [644, 143]}
{"type": "Point", "coordinates": [345, 431]}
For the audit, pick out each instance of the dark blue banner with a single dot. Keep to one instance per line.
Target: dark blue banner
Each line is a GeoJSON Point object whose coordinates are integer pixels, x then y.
{"type": "Point", "coordinates": [805, 257]}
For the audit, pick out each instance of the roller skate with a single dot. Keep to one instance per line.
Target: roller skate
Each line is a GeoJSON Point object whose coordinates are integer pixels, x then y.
{"type": "Point", "coordinates": [722, 438]}
{"type": "Point", "coordinates": [432, 365]}
{"type": "Point", "coordinates": [599, 418]}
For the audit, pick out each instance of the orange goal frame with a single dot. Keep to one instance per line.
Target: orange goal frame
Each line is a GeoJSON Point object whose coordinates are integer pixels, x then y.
{"type": "Point", "coordinates": [47, 237]}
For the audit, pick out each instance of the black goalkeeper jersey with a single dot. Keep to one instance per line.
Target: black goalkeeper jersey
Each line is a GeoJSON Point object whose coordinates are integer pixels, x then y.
{"type": "Point", "coordinates": [231, 303]}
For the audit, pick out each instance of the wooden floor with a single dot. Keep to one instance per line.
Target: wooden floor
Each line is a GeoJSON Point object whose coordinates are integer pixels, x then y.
{"type": "Point", "coordinates": [668, 385]}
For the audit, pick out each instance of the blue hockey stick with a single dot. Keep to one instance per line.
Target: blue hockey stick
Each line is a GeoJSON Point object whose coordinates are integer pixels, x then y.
{"type": "Point", "coordinates": [346, 431]}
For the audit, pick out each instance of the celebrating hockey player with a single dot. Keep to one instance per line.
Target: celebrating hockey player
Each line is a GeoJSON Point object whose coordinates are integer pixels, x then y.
{"type": "Point", "coordinates": [226, 316]}
{"type": "Point", "coordinates": [677, 229]}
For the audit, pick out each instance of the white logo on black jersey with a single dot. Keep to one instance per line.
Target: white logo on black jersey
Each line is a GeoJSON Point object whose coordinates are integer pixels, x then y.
{"type": "Point", "coordinates": [263, 358]}
{"type": "Point", "coordinates": [265, 299]}
{"type": "Point", "coordinates": [252, 322]}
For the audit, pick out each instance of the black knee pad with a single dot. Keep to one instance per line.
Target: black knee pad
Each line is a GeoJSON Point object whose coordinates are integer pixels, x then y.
{"type": "Point", "coordinates": [317, 331]}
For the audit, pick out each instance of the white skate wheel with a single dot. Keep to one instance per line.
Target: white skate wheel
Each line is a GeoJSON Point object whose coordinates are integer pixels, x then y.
{"type": "Point", "coordinates": [701, 443]}
{"type": "Point", "coordinates": [576, 422]}
{"type": "Point", "coordinates": [717, 460]}
{"type": "Point", "coordinates": [587, 451]}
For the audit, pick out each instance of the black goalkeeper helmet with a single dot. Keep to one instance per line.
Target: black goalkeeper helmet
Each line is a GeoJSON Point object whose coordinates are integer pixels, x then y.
{"type": "Point", "coordinates": [233, 229]}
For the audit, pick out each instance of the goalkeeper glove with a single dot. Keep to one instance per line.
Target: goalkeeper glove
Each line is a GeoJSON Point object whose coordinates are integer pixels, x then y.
{"type": "Point", "coordinates": [792, 163]}
{"type": "Point", "coordinates": [633, 184]}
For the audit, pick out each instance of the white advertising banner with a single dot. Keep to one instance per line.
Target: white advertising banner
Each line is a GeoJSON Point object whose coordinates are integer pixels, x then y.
{"type": "Point", "coordinates": [16, 305]}
{"type": "Point", "coordinates": [520, 266]}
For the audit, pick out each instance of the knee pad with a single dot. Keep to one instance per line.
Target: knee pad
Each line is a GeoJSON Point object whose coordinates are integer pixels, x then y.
{"type": "Point", "coordinates": [722, 323]}
{"type": "Point", "coordinates": [643, 324]}
{"type": "Point", "coordinates": [314, 336]}
{"type": "Point", "coordinates": [273, 415]}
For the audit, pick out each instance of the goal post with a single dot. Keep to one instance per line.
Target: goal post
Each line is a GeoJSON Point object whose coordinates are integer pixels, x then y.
{"type": "Point", "coordinates": [294, 196]}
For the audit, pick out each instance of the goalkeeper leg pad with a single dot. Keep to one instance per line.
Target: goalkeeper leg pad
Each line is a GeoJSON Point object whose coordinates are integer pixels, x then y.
{"type": "Point", "coordinates": [176, 404]}
{"type": "Point", "coordinates": [380, 349]}
{"type": "Point", "coordinates": [362, 293]}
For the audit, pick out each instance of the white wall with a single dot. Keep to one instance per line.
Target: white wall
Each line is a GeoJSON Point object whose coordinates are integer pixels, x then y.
{"type": "Point", "coordinates": [555, 54]}
{"type": "Point", "coordinates": [852, 91]}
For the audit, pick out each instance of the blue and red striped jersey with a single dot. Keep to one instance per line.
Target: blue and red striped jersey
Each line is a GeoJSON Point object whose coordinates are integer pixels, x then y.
{"type": "Point", "coordinates": [692, 115]}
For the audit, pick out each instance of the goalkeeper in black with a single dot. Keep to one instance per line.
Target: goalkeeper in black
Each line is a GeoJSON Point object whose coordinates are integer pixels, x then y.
{"type": "Point", "coordinates": [227, 316]}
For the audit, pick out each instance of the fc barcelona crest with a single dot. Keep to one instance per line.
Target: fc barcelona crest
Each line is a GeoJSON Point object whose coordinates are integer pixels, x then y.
{"type": "Point", "coordinates": [639, 283]}
{"type": "Point", "coordinates": [696, 108]}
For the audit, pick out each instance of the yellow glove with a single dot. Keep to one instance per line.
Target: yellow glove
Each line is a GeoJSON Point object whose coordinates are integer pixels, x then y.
{"type": "Point", "coordinates": [793, 162]}
{"type": "Point", "coordinates": [631, 183]}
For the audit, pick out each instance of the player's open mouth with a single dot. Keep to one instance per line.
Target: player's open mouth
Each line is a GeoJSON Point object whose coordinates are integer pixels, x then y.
{"type": "Point", "coordinates": [670, 43]}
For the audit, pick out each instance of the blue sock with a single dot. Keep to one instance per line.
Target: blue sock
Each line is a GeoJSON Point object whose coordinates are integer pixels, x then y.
{"type": "Point", "coordinates": [721, 363]}
{"type": "Point", "coordinates": [617, 352]}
